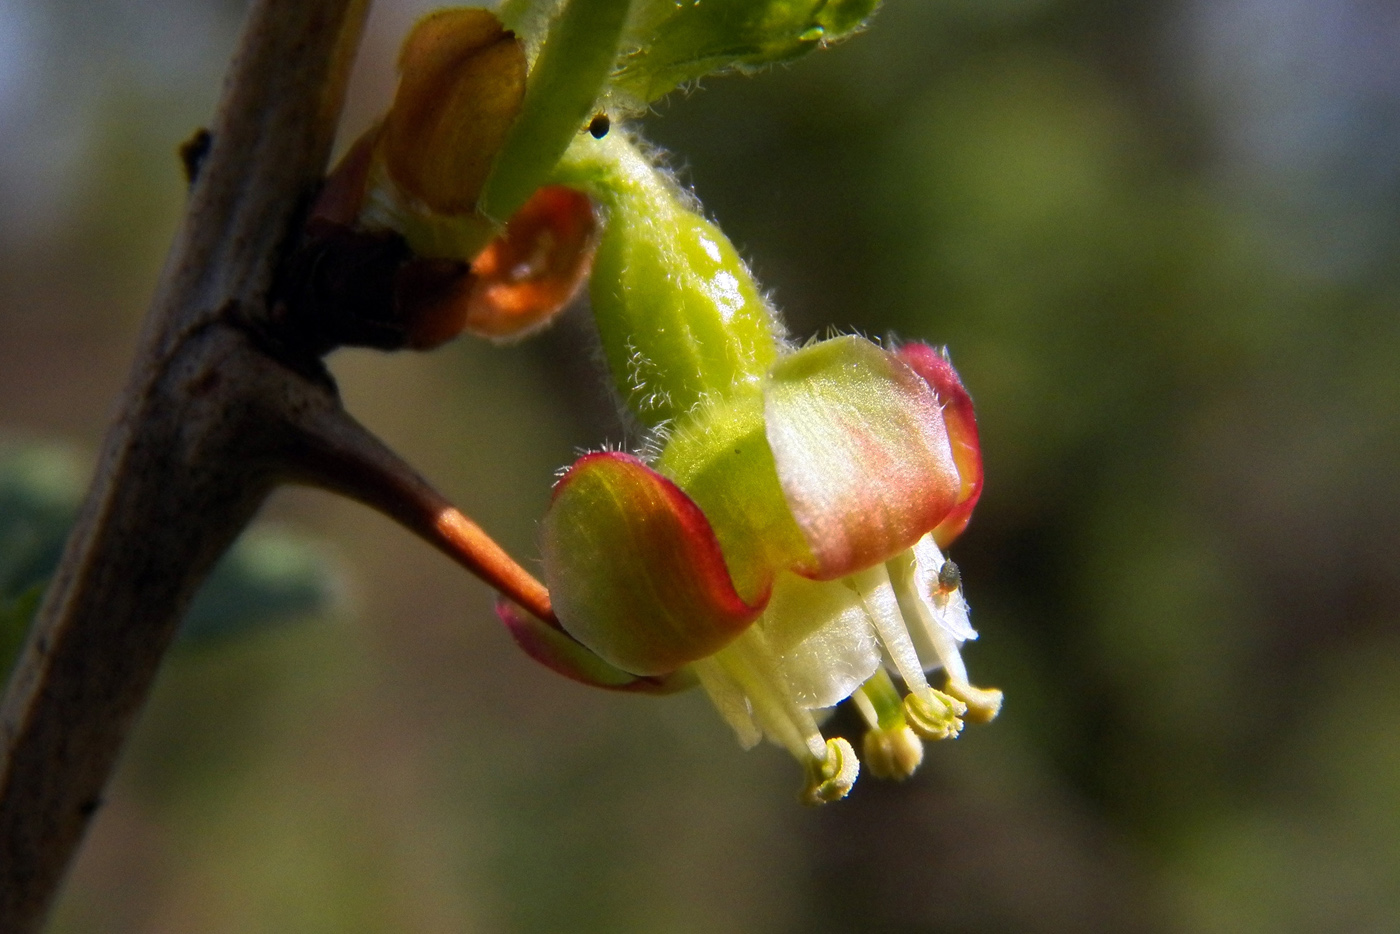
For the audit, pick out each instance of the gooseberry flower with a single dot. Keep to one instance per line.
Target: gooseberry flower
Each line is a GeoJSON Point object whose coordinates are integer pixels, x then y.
{"type": "Point", "coordinates": [782, 540]}
{"type": "Point", "coordinates": [780, 536]}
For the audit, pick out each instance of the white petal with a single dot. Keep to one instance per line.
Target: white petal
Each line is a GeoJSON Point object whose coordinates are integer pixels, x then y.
{"type": "Point", "coordinates": [952, 616]}
{"type": "Point", "coordinates": [950, 613]}
{"type": "Point", "coordinates": [823, 637]}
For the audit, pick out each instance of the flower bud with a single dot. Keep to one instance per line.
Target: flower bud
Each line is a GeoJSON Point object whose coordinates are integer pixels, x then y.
{"type": "Point", "coordinates": [535, 268]}
{"type": "Point", "coordinates": [463, 79]}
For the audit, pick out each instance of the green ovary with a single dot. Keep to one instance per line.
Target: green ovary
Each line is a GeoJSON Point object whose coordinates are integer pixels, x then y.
{"type": "Point", "coordinates": [680, 318]}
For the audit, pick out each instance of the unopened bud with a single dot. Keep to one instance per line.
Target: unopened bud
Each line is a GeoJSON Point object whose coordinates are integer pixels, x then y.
{"type": "Point", "coordinates": [463, 78]}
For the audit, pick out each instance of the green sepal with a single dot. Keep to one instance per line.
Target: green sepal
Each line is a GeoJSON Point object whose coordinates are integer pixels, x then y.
{"type": "Point", "coordinates": [719, 456]}
{"type": "Point", "coordinates": [861, 451]}
{"type": "Point", "coordinates": [634, 570]}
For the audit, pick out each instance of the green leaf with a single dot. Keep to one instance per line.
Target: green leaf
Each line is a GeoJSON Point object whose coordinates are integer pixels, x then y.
{"type": "Point", "coordinates": [673, 42]}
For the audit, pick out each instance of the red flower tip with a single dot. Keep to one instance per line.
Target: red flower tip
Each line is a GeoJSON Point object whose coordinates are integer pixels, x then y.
{"type": "Point", "coordinates": [562, 653]}
{"type": "Point", "coordinates": [937, 370]}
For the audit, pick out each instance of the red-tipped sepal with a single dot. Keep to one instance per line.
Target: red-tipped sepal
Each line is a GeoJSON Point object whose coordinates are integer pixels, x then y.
{"type": "Point", "coordinates": [562, 653]}
{"type": "Point", "coordinates": [861, 452]}
{"type": "Point", "coordinates": [635, 570]}
{"type": "Point", "coordinates": [937, 370]}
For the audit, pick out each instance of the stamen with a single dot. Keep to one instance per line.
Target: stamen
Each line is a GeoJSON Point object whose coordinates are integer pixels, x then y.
{"type": "Point", "coordinates": [830, 778]}
{"type": "Point", "coordinates": [747, 684]}
{"type": "Point", "coordinates": [729, 699]}
{"type": "Point", "coordinates": [983, 704]}
{"type": "Point", "coordinates": [883, 607]}
{"type": "Point", "coordinates": [917, 608]}
{"type": "Point", "coordinates": [892, 754]}
{"type": "Point", "coordinates": [934, 718]}
{"type": "Point", "coordinates": [890, 748]}
{"type": "Point", "coordinates": [753, 665]}
{"type": "Point", "coordinates": [939, 614]}
{"type": "Point", "coordinates": [884, 700]}
{"type": "Point", "coordinates": [867, 709]}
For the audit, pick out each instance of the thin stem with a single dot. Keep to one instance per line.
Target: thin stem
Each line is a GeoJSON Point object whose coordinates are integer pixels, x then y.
{"type": "Point", "coordinates": [464, 540]}
{"type": "Point", "coordinates": [337, 453]}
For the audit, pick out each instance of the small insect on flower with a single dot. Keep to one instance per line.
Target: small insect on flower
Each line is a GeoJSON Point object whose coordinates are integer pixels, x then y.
{"type": "Point", "coordinates": [949, 578]}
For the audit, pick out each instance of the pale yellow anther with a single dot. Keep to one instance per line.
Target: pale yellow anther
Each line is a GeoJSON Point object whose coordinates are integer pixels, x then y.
{"type": "Point", "coordinates": [934, 717]}
{"type": "Point", "coordinates": [831, 779]}
{"type": "Point", "coordinates": [893, 753]}
{"type": "Point", "coordinates": [983, 704]}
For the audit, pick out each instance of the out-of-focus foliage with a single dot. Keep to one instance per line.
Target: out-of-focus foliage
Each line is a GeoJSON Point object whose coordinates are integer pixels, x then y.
{"type": "Point", "coordinates": [38, 491]}
{"type": "Point", "coordinates": [1157, 238]}
{"type": "Point", "coordinates": [270, 576]}
{"type": "Point", "coordinates": [38, 488]}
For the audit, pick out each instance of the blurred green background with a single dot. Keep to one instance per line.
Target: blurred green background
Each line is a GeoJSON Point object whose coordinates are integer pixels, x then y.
{"type": "Point", "coordinates": [1159, 239]}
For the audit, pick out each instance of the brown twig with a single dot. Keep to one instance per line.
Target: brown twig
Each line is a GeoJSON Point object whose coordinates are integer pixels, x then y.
{"type": "Point", "coordinates": [226, 399]}
{"type": "Point", "coordinates": [200, 438]}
